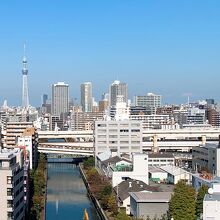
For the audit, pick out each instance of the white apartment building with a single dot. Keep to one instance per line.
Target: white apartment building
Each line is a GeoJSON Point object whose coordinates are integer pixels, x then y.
{"type": "Point", "coordinates": [15, 130]}
{"type": "Point", "coordinates": [149, 100]}
{"type": "Point", "coordinates": [11, 185]}
{"type": "Point", "coordinates": [153, 121]}
{"type": "Point", "coordinates": [118, 136]}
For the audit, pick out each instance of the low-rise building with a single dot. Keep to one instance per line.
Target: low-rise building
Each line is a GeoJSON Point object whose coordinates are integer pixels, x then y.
{"type": "Point", "coordinates": [147, 205]}
{"type": "Point", "coordinates": [174, 174]}
{"type": "Point", "coordinates": [123, 189]}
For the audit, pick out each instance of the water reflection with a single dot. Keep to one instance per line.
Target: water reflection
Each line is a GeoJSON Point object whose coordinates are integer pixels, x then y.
{"type": "Point", "coordinates": [66, 193]}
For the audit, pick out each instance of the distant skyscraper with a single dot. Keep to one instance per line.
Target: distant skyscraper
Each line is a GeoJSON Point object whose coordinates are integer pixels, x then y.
{"type": "Point", "coordinates": [118, 89]}
{"type": "Point", "coordinates": [25, 98]}
{"type": "Point", "coordinates": [60, 98]}
{"type": "Point", "coordinates": [44, 99]}
{"type": "Point", "coordinates": [86, 96]}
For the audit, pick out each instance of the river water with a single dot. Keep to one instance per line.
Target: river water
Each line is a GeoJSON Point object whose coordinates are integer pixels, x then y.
{"type": "Point", "coordinates": [67, 194]}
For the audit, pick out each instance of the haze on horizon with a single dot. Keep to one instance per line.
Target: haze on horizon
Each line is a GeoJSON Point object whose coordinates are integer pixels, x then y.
{"type": "Point", "coordinates": [168, 47]}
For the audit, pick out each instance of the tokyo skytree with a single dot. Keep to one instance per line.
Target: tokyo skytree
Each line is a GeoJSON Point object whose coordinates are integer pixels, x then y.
{"type": "Point", "coordinates": [25, 99]}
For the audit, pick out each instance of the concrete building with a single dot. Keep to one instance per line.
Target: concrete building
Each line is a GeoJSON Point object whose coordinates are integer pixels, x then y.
{"type": "Point", "coordinates": [150, 100]}
{"type": "Point", "coordinates": [86, 96]}
{"type": "Point", "coordinates": [123, 189]}
{"type": "Point", "coordinates": [118, 89]}
{"type": "Point", "coordinates": [120, 136]}
{"type": "Point", "coordinates": [211, 202]}
{"type": "Point", "coordinates": [11, 185]}
{"type": "Point", "coordinates": [176, 173]}
{"type": "Point", "coordinates": [146, 205]}
{"type": "Point", "coordinates": [60, 98]}
{"type": "Point", "coordinates": [15, 130]}
{"type": "Point", "coordinates": [84, 120]}
{"type": "Point", "coordinates": [161, 159]}
{"type": "Point", "coordinates": [213, 117]}
{"type": "Point", "coordinates": [206, 157]}
{"type": "Point", "coordinates": [29, 140]}
{"type": "Point", "coordinates": [138, 170]}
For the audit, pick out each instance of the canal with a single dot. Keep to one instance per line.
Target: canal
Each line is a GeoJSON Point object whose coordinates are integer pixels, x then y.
{"type": "Point", "coordinates": [66, 194]}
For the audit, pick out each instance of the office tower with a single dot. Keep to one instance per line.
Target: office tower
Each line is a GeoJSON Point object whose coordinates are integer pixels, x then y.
{"type": "Point", "coordinates": [60, 98]}
{"type": "Point", "coordinates": [86, 96]}
{"type": "Point", "coordinates": [118, 89]}
{"type": "Point", "coordinates": [44, 99]}
{"type": "Point", "coordinates": [12, 184]}
{"type": "Point", "coordinates": [25, 99]}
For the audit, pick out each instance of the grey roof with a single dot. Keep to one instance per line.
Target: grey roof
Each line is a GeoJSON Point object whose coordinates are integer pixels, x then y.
{"type": "Point", "coordinates": [151, 197]}
{"type": "Point", "coordinates": [114, 160]}
{"type": "Point", "coordinates": [212, 197]}
{"type": "Point", "coordinates": [160, 155]}
{"type": "Point", "coordinates": [123, 188]}
{"type": "Point", "coordinates": [153, 169]}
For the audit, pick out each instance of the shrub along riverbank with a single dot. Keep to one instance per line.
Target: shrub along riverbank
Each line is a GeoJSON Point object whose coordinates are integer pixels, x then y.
{"type": "Point", "coordinates": [101, 188]}
{"type": "Point", "coordinates": [38, 180]}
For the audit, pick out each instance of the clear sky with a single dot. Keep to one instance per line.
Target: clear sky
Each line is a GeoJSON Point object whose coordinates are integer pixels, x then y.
{"type": "Point", "coordinates": [161, 46]}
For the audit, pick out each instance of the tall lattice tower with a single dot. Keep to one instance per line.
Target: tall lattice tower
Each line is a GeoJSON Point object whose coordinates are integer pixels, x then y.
{"type": "Point", "coordinates": [25, 99]}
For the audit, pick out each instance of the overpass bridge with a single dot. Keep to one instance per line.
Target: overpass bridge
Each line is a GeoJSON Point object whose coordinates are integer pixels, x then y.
{"type": "Point", "coordinates": [82, 142]}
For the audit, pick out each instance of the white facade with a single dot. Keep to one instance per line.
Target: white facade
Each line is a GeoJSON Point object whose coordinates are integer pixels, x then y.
{"type": "Point", "coordinates": [149, 100]}
{"type": "Point", "coordinates": [120, 136]}
{"type": "Point", "coordinates": [11, 185]}
{"type": "Point", "coordinates": [211, 203]}
{"type": "Point", "coordinates": [138, 172]}
{"type": "Point", "coordinates": [86, 96]}
{"type": "Point", "coordinates": [120, 111]}
{"type": "Point", "coordinates": [174, 174]}
{"type": "Point", "coordinates": [60, 98]}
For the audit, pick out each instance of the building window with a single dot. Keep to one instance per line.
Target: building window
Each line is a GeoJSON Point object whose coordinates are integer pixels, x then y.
{"type": "Point", "coordinates": [9, 180]}
{"type": "Point", "coordinates": [10, 215]}
{"type": "Point", "coordinates": [9, 203]}
{"type": "Point", "coordinates": [9, 191]}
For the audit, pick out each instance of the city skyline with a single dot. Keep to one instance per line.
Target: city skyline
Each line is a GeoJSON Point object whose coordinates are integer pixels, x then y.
{"type": "Point", "coordinates": [170, 48]}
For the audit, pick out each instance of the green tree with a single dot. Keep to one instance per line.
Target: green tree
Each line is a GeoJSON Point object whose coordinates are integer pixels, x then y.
{"type": "Point", "coordinates": [112, 204]}
{"type": "Point", "coordinates": [182, 205]}
{"type": "Point", "coordinates": [89, 163]}
{"type": "Point", "coordinates": [122, 216]}
{"type": "Point", "coordinates": [199, 200]}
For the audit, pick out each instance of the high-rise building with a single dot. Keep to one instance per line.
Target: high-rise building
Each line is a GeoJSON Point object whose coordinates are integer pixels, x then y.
{"type": "Point", "coordinates": [118, 89]}
{"type": "Point", "coordinates": [60, 98]}
{"type": "Point", "coordinates": [44, 99]}
{"type": "Point", "coordinates": [150, 100]}
{"type": "Point", "coordinates": [25, 98]}
{"type": "Point", "coordinates": [86, 96]}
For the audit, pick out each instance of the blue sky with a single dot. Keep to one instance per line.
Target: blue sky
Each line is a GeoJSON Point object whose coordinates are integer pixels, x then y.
{"type": "Point", "coordinates": [161, 46]}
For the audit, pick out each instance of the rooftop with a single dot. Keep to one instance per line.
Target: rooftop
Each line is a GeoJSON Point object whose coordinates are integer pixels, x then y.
{"type": "Point", "coordinates": [212, 197]}
{"type": "Point", "coordinates": [8, 153]}
{"type": "Point", "coordinates": [151, 196]}
{"type": "Point", "coordinates": [173, 170]}
{"type": "Point", "coordinates": [132, 185]}
{"type": "Point", "coordinates": [160, 155]}
{"type": "Point", "coordinates": [153, 169]}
